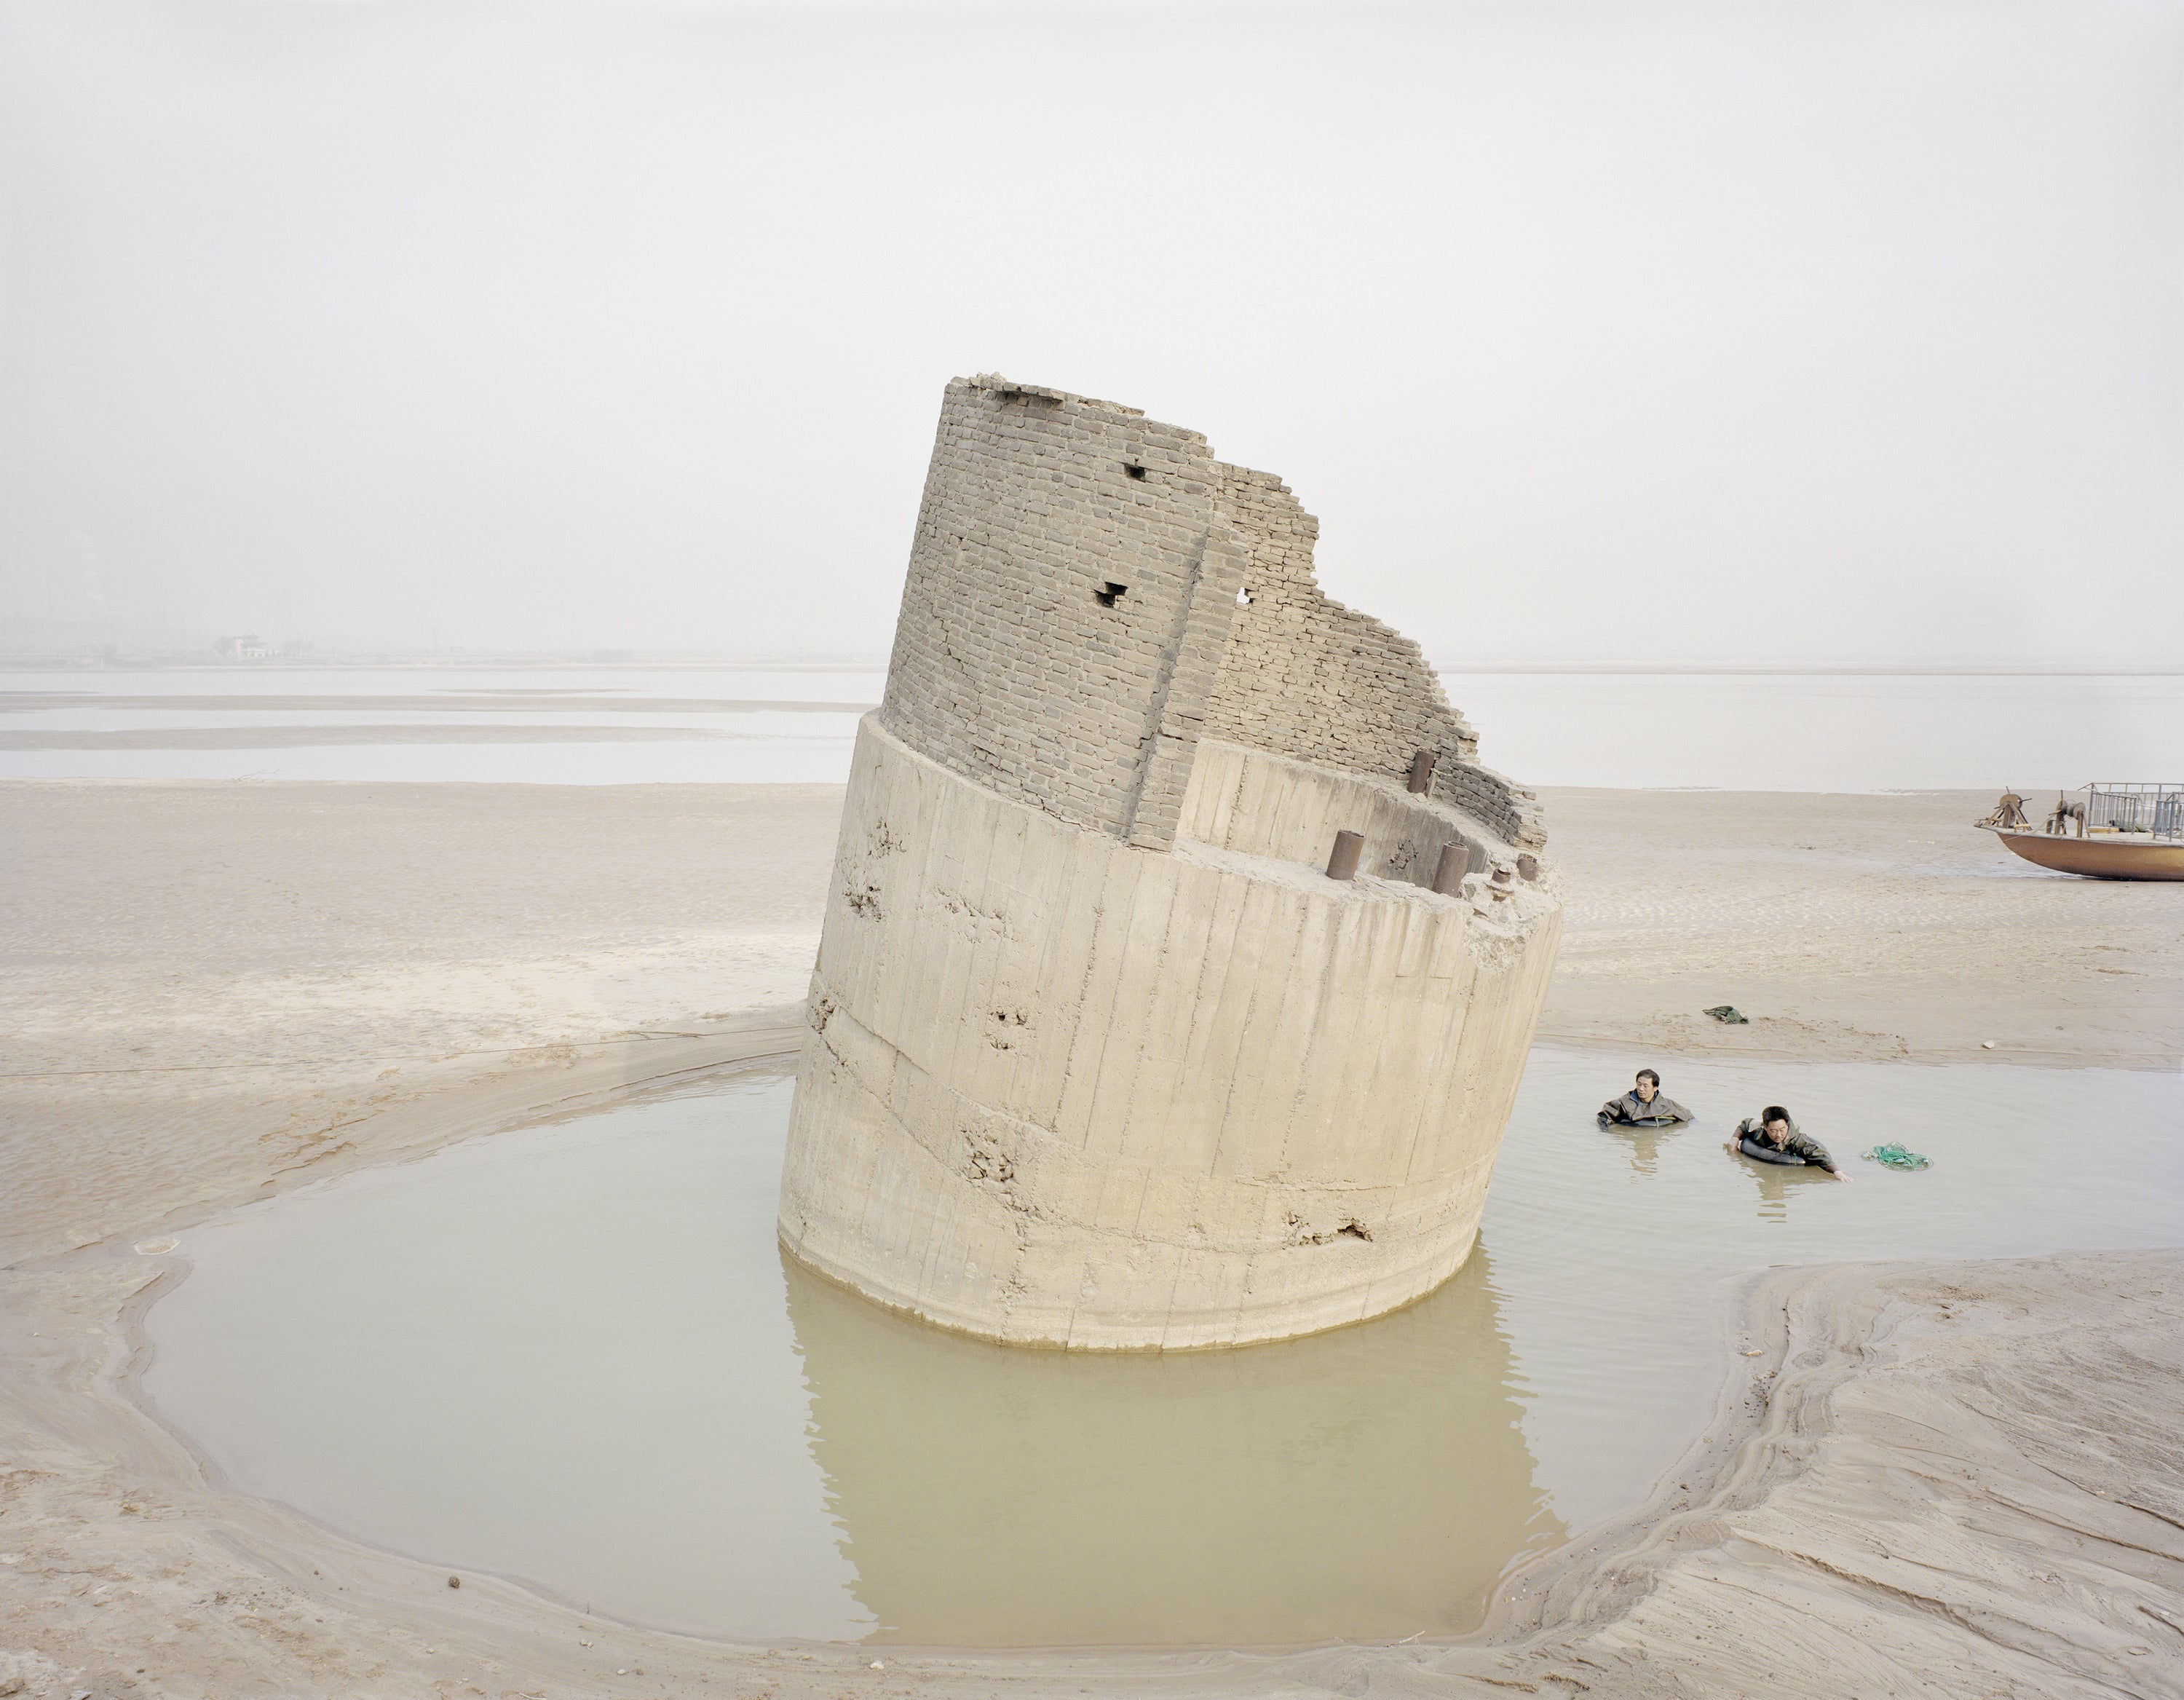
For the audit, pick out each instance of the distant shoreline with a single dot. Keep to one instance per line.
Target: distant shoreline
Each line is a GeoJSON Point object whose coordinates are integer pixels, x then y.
{"type": "Point", "coordinates": [1442, 669]}
{"type": "Point", "coordinates": [31, 663]}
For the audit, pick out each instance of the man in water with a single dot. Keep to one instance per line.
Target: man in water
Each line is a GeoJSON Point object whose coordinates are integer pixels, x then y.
{"type": "Point", "coordinates": [1771, 1136]}
{"type": "Point", "coordinates": [1643, 1106]}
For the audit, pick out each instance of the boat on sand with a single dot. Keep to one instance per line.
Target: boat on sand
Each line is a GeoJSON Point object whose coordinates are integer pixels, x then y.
{"type": "Point", "coordinates": [2106, 830]}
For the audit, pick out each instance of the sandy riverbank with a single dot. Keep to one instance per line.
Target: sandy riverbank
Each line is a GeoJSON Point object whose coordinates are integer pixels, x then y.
{"type": "Point", "coordinates": [1878, 926]}
{"type": "Point", "coordinates": [1936, 1479]}
{"type": "Point", "coordinates": [214, 991]}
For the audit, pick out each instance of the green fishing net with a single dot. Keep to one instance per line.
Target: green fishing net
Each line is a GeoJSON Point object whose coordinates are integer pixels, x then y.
{"type": "Point", "coordinates": [1895, 1156]}
{"type": "Point", "coordinates": [1729, 1012]}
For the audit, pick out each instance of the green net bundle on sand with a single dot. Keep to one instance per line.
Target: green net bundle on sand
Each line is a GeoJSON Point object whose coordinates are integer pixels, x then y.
{"type": "Point", "coordinates": [1895, 1156]}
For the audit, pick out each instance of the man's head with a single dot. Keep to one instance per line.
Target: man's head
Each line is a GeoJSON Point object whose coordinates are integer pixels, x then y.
{"type": "Point", "coordinates": [1649, 1083]}
{"type": "Point", "coordinates": [1776, 1121]}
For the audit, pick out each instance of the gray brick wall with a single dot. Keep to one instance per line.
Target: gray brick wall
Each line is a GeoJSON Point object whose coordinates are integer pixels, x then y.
{"type": "Point", "coordinates": [1071, 624]}
{"type": "Point", "coordinates": [1307, 678]}
{"type": "Point", "coordinates": [1052, 623]}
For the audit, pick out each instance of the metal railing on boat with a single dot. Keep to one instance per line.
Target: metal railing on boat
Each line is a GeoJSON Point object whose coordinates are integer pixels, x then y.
{"type": "Point", "coordinates": [2155, 809]}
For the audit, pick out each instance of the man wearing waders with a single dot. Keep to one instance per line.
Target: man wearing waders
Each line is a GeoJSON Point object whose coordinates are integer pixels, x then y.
{"type": "Point", "coordinates": [1771, 1136]}
{"type": "Point", "coordinates": [1643, 1106]}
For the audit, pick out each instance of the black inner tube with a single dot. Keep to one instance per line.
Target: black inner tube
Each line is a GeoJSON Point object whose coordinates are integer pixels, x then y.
{"type": "Point", "coordinates": [1767, 1153]}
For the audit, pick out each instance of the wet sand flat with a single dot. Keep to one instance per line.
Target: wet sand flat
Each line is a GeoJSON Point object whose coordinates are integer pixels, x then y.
{"type": "Point", "coordinates": [210, 985]}
{"type": "Point", "coordinates": [1879, 927]}
{"type": "Point", "coordinates": [216, 991]}
{"type": "Point", "coordinates": [1954, 1480]}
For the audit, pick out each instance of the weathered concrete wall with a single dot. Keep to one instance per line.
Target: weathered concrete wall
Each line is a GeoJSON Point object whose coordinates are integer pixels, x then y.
{"type": "Point", "coordinates": [1100, 1055]}
{"type": "Point", "coordinates": [1063, 1090]}
{"type": "Point", "coordinates": [1266, 804]}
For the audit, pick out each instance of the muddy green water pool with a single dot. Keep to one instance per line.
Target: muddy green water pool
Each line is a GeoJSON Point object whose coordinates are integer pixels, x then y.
{"type": "Point", "coordinates": [573, 1355]}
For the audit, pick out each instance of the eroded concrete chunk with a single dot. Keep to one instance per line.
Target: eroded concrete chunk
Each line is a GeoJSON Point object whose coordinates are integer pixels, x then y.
{"type": "Point", "coordinates": [1100, 1055]}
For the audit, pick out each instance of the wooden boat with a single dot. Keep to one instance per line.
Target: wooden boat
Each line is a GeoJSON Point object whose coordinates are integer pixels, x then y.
{"type": "Point", "coordinates": [2118, 831]}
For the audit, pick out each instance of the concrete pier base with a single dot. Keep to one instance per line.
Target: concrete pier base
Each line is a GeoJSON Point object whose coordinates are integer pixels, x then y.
{"type": "Point", "coordinates": [1100, 1055]}
{"type": "Point", "coordinates": [1203, 1097]}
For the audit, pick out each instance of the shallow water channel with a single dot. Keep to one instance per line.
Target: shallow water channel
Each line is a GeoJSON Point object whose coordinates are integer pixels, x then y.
{"type": "Point", "coordinates": [574, 1355]}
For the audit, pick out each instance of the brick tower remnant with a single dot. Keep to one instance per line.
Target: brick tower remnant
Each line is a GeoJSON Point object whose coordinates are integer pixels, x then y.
{"type": "Point", "coordinates": [1101, 1056]}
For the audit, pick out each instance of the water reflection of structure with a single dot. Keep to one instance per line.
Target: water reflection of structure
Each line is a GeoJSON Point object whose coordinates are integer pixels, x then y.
{"type": "Point", "coordinates": [1368, 1483]}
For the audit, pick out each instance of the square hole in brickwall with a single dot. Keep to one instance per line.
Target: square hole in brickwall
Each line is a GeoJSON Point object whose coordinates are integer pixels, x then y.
{"type": "Point", "coordinates": [1108, 593]}
{"type": "Point", "coordinates": [1133, 469]}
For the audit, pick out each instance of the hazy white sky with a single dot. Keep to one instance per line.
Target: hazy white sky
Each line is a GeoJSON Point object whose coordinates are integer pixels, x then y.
{"type": "Point", "coordinates": [1809, 332]}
